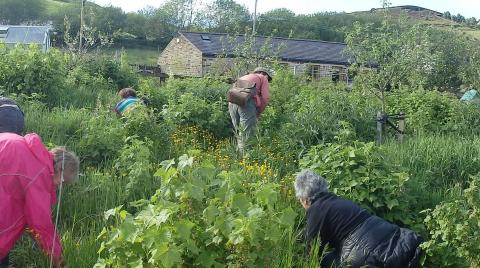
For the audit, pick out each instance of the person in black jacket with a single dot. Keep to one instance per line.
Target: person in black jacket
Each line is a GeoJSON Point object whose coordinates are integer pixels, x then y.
{"type": "Point", "coordinates": [11, 116]}
{"type": "Point", "coordinates": [358, 238]}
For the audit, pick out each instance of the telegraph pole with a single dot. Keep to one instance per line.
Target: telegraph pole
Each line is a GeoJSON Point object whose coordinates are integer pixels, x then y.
{"type": "Point", "coordinates": [255, 18]}
{"type": "Point", "coordinates": [81, 27]}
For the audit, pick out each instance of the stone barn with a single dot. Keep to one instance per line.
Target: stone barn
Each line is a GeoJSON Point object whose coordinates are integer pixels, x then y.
{"type": "Point", "coordinates": [192, 54]}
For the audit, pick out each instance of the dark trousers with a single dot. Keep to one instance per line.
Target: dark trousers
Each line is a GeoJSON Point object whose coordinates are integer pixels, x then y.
{"type": "Point", "coordinates": [4, 262]}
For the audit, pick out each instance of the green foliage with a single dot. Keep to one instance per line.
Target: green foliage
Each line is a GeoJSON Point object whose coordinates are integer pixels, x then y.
{"type": "Point", "coordinates": [398, 52]}
{"type": "Point", "coordinates": [199, 217]}
{"type": "Point", "coordinates": [454, 229]}
{"type": "Point", "coordinates": [435, 164]}
{"type": "Point", "coordinates": [197, 102]}
{"type": "Point", "coordinates": [14, 12]}
{"type": "Point", "coordinates": [120, 75]}
{"type": "Point", "coordinates": [84, 89]}
{"type": "Point", "coordinates": [135, 164]}
{"type": "Point", "coordinates": [433, 111]}
{"type": "Point", "coordinates": [28, 70]}
{"type": "Point", "coordinates": [357, 171]}
{"type": "Point", "coordinates": [313, 114]}
{"type": "Point", "coordinates": [101, 137]}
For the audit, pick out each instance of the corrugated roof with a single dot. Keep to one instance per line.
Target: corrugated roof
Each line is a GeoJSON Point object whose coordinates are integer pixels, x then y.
{"type": "Point", "coordinates": [292, 50]}
{"type": "Point", "coordinates": [25, 34]}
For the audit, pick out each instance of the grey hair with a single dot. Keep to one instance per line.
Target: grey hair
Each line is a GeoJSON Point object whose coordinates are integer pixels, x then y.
{"type": "Point", "coordinates": [71, 163]}
{"type": "Point", "coordinates": [308, 184]}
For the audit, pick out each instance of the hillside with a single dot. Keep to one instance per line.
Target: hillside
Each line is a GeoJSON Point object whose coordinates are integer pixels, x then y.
{"type": "Point", "coordinates": [428, 17]}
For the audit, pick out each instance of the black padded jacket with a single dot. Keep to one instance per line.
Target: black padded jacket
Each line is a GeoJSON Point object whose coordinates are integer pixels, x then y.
{"type": "Point", "coordinates": [359, 238]}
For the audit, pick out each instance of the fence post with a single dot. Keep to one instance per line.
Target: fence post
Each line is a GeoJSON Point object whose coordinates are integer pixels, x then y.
{"type": "Point", "coordinates": [401, 126]}
{"type": "Point", "coordinates": [380, 127]}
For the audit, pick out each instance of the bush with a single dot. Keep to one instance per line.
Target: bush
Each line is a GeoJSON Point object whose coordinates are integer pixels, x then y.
{"type": "Point", "coordinates": [357, 170]}
{"type": "Point", "coordinates": [433, 112]}
{"type": "Point", "coordinates": [198, 103]}
{"type": "Point", "coordinates": [28, 70]}
{"type": "Point", "coordinates": [101, 138]}
{"type": "Point", "coordinates": [314, 115]}
{"type": "Point", "coordinates": [120, 75]}
{"type": "Point", "coordinates": [84, 90]}
{"type": "Point", "coordinates": [199, 217]}
{"type": "Point", "coordinates": [454, 228]}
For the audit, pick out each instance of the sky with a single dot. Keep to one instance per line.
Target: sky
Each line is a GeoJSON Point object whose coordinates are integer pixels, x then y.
{"type": "Point", "coordinates": [468, 8]}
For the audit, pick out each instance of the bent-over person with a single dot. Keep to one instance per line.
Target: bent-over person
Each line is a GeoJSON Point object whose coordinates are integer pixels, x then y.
{"type": "Point", "coordinates": [29, 176]}
{"type": "Point", "coordinates": [358, 238]}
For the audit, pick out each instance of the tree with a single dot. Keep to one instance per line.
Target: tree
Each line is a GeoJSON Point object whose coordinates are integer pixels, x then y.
{"type": "Point", "coordinates": [280, 21]}
{"type": "Point", "coordinates": [471, 73]}
{"type": "Point", "coordinates": [171, 17]}
{"type": "Point", "coordinates": [136, 23]}
{"type": "Point", "coordinates": [397, 53]}
{"type": "Point", "coordinates": [447, 15]}
{"type": "Point", "coordinates": [458, 18]}
{"type": "Point", "coordinates": [17, 12]}
{"type": "Point", "coordinates": [225, 16]}
{"type": "Point", "coordinates": [471, 21]}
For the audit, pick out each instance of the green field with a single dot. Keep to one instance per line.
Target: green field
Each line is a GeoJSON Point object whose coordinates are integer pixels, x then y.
{"type": "Point", "coordinates": [142, 56]}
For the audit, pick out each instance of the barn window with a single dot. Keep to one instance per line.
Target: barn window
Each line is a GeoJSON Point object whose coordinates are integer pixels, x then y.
{"type": "Point", "coordinates": [206, 37]}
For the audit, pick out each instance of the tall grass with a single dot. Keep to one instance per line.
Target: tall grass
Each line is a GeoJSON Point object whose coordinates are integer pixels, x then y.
{"type": "Point", "coordinates": [436, 163]}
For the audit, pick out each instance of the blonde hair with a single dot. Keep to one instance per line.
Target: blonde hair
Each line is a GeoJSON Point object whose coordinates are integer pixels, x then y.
{"type": "Point", "coordinates": [69, 161]}
{"type": "Point", "coordinates": [127, 92]}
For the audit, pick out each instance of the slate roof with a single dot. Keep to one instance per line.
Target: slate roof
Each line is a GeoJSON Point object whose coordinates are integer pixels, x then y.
{"type": "Point", "coordinates": [25, 34]}
{"type": "Point", "coordinates": [291, 50]}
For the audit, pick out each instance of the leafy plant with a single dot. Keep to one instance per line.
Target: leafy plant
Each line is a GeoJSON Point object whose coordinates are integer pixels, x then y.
{"type": "Point", "coordinates": [454, 229]}
{"type": "Point", "coordinates": [357, 171]}
{"type": "Point", "coordinates": [199, 217]}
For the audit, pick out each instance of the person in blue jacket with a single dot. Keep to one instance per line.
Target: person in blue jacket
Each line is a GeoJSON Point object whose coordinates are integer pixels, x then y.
{"type": "Point", "coordinates": [129, 101]}
{"type": "Point", "coordinates": [358, 238]}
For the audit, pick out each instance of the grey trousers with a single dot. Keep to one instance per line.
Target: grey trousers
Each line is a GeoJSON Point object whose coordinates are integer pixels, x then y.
{"type": "Point", "coordinates": [244, 120]}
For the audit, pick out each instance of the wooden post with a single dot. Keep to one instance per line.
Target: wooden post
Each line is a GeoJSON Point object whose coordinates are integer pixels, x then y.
{"type": "Point", "coordinates": [380, 127]}
{"type": "Point", "coordinates": [401, 126]}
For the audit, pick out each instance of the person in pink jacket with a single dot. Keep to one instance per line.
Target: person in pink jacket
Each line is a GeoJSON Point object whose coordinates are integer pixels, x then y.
{"type": "Point", "coordinates": [244, 119]}
{"type": "Point", "coordinates": [29, 176]}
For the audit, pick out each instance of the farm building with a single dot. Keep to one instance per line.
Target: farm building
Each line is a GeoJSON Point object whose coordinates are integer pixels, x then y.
{"type": "Point", "coordinates": [193, 54]}
{"type": "Point", "coordinates": [19, 34]}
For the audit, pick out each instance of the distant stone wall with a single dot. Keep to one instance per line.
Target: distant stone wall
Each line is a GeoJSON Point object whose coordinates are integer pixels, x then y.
{"type": "Point", "coordinates": [181, 58]}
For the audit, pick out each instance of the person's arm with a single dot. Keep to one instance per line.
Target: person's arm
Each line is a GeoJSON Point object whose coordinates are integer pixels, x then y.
{"type": "Point", "coordinates": [315, 223]}
{"type": "Point", "coordinates": [264, 94]}
{"type": "Point", "coordinates": [38, 214]}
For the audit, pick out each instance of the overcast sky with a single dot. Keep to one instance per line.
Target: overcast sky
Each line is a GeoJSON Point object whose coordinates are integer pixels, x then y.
{"type": "Point", "coordinates": [468, 8]}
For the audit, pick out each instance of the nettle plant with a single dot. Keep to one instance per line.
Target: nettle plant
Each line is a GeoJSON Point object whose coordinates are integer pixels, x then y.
{"type": "Point", "coordinates": [357, 171]}
{"type": "Point", "coordinates": [199, 217]}
{"type": "Point", "coordinates": [454, 229]}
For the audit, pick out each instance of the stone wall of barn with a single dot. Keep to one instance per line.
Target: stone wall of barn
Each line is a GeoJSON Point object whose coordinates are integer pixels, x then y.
{"type": "Point", "coordinates": [181, 58]}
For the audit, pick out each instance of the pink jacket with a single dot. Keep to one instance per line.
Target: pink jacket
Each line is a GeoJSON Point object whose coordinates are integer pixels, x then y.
{"type": "Point", "coordinates": [263, 94]}
{"type": "Point", "coordinates": [27, 193]}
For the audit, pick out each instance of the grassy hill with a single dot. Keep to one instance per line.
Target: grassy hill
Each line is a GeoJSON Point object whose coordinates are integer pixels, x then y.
{"type": "Point", "coordinates": [428, 17]}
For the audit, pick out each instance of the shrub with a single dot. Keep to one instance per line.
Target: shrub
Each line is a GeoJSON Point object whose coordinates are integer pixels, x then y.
{"type": "Point", "coordinates": [28, 70]}
{"type": "Point", "coordinates": [120, 75]}
{"type": "Point", "coordinates": [101, 137]}
{"type": "Point", "coordinates": [433, 112]}
{"type": "Point", "coordinates": [454, 229]}
{"type": "Point", "coordinates": [314, 115]}
{"type": "Point", "coordinates": [199, 217]}
{"type": "Point", "coordinates": [356, 170]}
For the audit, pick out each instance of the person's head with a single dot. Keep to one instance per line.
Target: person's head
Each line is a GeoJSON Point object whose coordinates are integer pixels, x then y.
{"type": "Point", "coordinates": [66, 161]}
{"type": "Point", "coordinates": [264, 71]}
{"type": "Point", "coordinates": [127, 92]}
{"type": "Point", "coordinates": [309, 185]}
